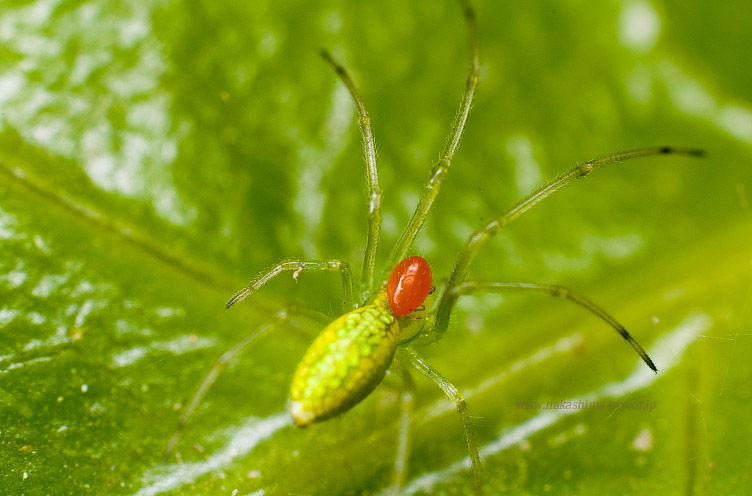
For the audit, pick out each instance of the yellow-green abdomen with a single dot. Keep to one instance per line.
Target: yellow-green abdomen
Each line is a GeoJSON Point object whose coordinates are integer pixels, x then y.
{"type": "Point", "coordinates": [344, 364]}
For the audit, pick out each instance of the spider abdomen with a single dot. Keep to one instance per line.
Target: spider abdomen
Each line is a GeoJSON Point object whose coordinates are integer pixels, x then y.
{"type": "Point", "coordinates": [344, 363]}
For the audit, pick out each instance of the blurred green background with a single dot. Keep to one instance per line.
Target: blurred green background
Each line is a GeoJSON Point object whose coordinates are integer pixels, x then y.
{"type": "Point", "coordinates": [154, 156]}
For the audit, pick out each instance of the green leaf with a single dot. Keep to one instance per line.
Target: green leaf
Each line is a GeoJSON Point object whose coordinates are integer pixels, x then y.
{"type": "Point", "coordinates": [156, 156]}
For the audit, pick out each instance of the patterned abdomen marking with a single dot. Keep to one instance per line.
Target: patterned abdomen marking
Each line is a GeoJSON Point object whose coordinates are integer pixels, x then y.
{"type": "Point", "coordinates": [344, 364]}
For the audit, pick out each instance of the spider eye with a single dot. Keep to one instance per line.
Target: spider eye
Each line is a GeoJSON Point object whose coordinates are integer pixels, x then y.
{"type": "Point", "coordinates": [409, 285]}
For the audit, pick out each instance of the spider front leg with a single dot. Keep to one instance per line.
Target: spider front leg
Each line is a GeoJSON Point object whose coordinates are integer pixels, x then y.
{"type": "Point", "coordinates": [227, 357]}
{"type": "Point", "coordinates": [296, 267]}
{"type": "Point", "coordinates": [472, 287]}
{"type": "Point", "coordinates": [407, 355]}
{"type": "Point", "coordinates": [478, 239]}
{"type": "Point", "coordinates": [372, 174]}
{"type": "Point", "coordinates": [440, 170]}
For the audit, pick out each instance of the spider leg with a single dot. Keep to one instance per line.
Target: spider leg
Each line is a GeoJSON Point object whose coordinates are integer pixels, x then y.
{"type": "Point", "coordinates": [479, 238]}
{"type": "Point", "coordinates": [431, 189]}
{"type": "Point", "coordinates": [407, 399]}
{"type": "Point", "coordinates": [407, 355]}
{"type": "Point", "coordinates": [471, 287]}
{"type": "Point", "coordinates": [372, 173]}
{"type": "Point", "coordinates": [297, 266]}
{"type": "Point", "coordinates": [228, 356]}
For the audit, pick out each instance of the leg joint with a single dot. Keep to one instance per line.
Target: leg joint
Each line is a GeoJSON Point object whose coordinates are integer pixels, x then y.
{"type": "Point", "coordinates": [560, 291]}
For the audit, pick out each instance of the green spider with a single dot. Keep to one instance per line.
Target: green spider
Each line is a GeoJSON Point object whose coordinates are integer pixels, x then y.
{"type": "Point", "coordinates": [352, 354]}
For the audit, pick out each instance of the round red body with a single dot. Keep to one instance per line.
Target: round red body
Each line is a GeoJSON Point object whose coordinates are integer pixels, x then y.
{"type": "Point", "coordinates": [409, 285]}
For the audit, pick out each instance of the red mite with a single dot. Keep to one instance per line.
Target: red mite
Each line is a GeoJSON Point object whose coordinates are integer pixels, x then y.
{"type": "Point", "coordinates": [409, 285]}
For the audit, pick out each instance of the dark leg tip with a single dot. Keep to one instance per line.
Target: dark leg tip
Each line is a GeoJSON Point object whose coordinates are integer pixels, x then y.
{"type": "Point", "coordinates": [695, 152]}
